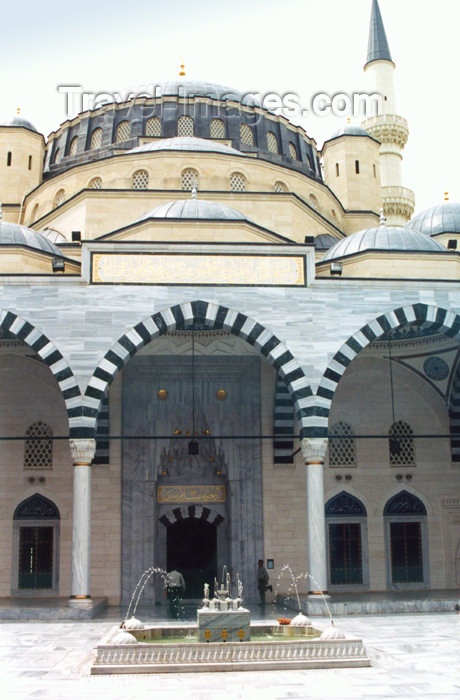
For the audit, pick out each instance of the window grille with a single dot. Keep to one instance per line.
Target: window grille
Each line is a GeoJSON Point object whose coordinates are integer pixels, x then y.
{"type": "Point", "coordinates": [280, 187]}
{"type": "Point", "coordinates": [237, 182]}
{"type": "Point", "coordinates": [96, 138]}
{"type": "Point", "coordinates": [153, 127]}
{"type": "Point", "coordinates": [59, 197]}
{"type": "Point", "coordinates": [401, 445]}
{"type": "Point", "coordinates": [123, 131]}
{"type": "Point", "coordinates": [246, 134]}
{"type": "Point", "coordinates": [217, 129]}
{"type": "Point", "coordinates": [342, 450]}
{"type": "Point", "coordinates": [189, 179]}
{"type": "Point", "coordinates": [38, 453]}
{"type": "Point", "coordinates": [185, 126]}
{"type": "Point", "coordinates": [292, 151]}
{"type": "Point", "coordinates": [73, 146]}
{"type": "Point", "coordinates": [140, 180]}
{"type": "Point", "coordinates": [95, 183]}
{"type": "Point", "coordinates": [272, 142]}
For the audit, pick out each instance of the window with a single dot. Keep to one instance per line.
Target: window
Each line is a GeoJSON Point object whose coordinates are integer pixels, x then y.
{"type": "Point", "coordinates": [346, 519]}
{"type": "Point", "coordinates": [123, 131]}
{"type": "Point", "coordinates": [73, 146]}
{"type": "Point", "coordinates": [342, 450]}
{"type": "Point", "coordinates": [280, 187]}
{"type": "Point", "coordinates": [313, 202]}
{"type": "Point", "coordinates": [38, 450]}
{"type": "Point", "coordinates": [189, 179]}
{"type": "Point", "coordinates": [9, 158]}
{"type": "Point", "coordinates": [59, 198]}
{"type": "Point", "coordinates": [56, 155]}
{"type": "Point", "coordinates": [95, 183]}
{"type": "Point", "coordinates": [30, 163]}
{"type": "Point", "coordinates": [217, 129]}
{"type": "Point", "coordinates": [452, 244]}
{"type": "Point", "coordinates": [185, 126]}
{"type": "Point", "coordinates": [140, 180]}
{"type": "Point", "coordinates": [96, 138]}
{"type": "Point", "coordinates": [272, 142]}
{"type": "Point", "coordinates": [357, 167]}
{"type": "Point", "coordinates": [401, 445]}
{"type": "Point", "coordinates": [308, 161]}
{"type": "Point", "coordinates": [292, 151]}
{"type": "Point", "coordinates": [246, 134]}
{"type": "Point", "coordinates": [34, 213]}
{"type": "Point", "coordinates": [374, 169]}
{"type": "Point", "coordinates": [237, 182]}
{"type": "Point", "coordinates": [405, 517]}
{"type": "Point", "coordinates": [337, 170]}
{"type": "Point", "coordinates": [153, 127]}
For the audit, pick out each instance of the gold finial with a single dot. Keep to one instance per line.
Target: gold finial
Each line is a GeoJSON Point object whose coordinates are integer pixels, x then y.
{"type": "Point", "coordinates": [182, 70]}
{"type": "Point", "coordinates": [349, 120]}
{"type": "Point", "coordinates": [383, 219]}
{"type": "Point", "coordinates": [446, 196]}
{"type": "Point", "coordinates": [18, 110]}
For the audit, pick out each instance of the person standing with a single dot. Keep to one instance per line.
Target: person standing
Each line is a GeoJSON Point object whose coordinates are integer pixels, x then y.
{"type": "Point", "coordinates": [175, 587]}
{"type": "Point", "coordinates": [262, 580]}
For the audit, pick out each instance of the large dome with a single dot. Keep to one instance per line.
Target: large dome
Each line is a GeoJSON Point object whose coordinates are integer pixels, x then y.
{"type": "Point", "coordinates": [194, 208]}
{"type": "Point", "coordinates": [442, 218]}
{"type": "Point", "coordinates": [191, 88]}
{"type": "Point", "coordinates": [391, 238]}
{"type": "Point", "coordinates": [185, 143]}
{"type": "Point", "coordinates": [15, 234]}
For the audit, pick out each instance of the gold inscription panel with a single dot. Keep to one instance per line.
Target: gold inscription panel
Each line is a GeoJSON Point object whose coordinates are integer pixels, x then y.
{"type": "Point", "coordinates": [191, 494]}
{"type": "Point", "coordinates": [163, 268]}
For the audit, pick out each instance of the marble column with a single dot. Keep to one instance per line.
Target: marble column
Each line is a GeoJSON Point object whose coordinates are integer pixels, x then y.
{"type": "Point", "coordinates": [314, 451]}
{"type": "Point", "coordinates": [82, 451]}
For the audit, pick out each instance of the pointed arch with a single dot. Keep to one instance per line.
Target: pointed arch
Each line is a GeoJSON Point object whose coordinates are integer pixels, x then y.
{"type": "Point", "coordinates": [212, 316]}
{"type": "Point", "coordinates": [178, 513]}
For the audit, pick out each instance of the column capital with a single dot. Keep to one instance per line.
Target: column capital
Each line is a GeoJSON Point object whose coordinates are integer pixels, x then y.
{"type": "Point", "coordinates": [314, 450]}
{"type": "Point", "coordinates": [82, 450]}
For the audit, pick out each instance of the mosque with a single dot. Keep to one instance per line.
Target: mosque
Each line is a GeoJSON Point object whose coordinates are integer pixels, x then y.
{"type": "Point", "coordinates": [225, 344]}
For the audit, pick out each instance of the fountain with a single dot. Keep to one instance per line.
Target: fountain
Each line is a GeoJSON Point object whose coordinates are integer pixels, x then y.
{"type": "Point", "coordinates": [223, 618]}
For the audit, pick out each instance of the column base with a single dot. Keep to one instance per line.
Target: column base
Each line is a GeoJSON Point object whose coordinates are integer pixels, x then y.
{"type": "Point", "coordinates": [80, 601]}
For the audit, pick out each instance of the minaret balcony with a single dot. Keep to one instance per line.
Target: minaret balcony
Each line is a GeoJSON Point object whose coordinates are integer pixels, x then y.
{"type": "Point", "coordinates": [398, 202]}
{"type": "Point", "coordinates": [388, 128]}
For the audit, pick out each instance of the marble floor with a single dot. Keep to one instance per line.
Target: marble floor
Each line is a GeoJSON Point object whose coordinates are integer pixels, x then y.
{"type": "Point", "coordinates": [413, 656]}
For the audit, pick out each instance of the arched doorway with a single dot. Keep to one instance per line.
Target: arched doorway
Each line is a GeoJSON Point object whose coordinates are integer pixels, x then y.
{"type": "Point", "coordinates": [192, 549]}
{"type": "Point", "coordinates": [346, 529]}
{"type": "Point", "coordinates": [405, 517]}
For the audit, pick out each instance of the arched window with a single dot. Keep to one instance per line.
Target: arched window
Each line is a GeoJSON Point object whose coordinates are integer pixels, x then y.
{"type": "Point", "coordinates": [292, 151]}
{"type": "Point", "coordinates": [342, 450]}
{"type": "Point", "coordinates": [38, 449]}
{"type": "Point", "coordinates": [280, 187]}
{"type": "Point", "coordinates": [185, 126]}
{"type": "Point", "coordinates": [123, 131]}
{"type": "Point", "coordinates": [246, 135]}
{"type": "Point", "coordinates": [401, 445]}
{"type": "Point", "coordinates": [9, 158]}
{"type": "Point", "coordinates": [56, 155]}
{"type": "Point", "coordinates": [189, 179]}
{"type": "Point", "coordinates": [313, 202]}
{"type": "Point", "coordinates": [153, 127]}
{"type": "Point", "coordinates": [346, 524]}
{"type": "Point", "coordinates": [96, 138]}
{"type": "Point", "coordinates": [59, 197]}
{"type": "Point", "coordinates": [29, 165]}
{"type": "Point", "coordinates": [308, 161]}
{"type": "Point", "coordinates": [405, 529]}
{"type": "Point", "coordinates": [217, 129]}
{"type": "Point", "coordinates": [95, 183]}
{"type": "Point", "coordinates": [337, 169]}
{"type": "Point", "coordinates": [140, 180]}
{"type": "Point", "coordinates": [36, 543]}
{"type": "Point", "coordinates": [73, 146]}
{"type": "Point", "coordinates": [238, 182]}
{"type": "Point", "coordinates": [272, 142]}
{"type": "Point", "coordinates": [34, 213]}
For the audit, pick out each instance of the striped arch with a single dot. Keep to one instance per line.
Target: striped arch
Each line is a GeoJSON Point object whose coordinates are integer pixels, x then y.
{"type": "Point", "coordinates": [179, 513]}
{"type": "Point", "coordinates": [442, 320]}
{"type": "Point", "coordinates": [454, 414]}
{"type": "Point", "coordinates": [213, 316]}
{"type": "Point", "coordinates": [34, 338]}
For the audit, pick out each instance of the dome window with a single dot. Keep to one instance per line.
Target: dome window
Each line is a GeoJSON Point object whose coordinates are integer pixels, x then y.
{"type": "Point", "coordinates": [189, 179]}
{"type": "Point", "coordinates": [95, 183]}
{"type": "Point", "coordinates": [34, 213]}
{"type": "Point", "coordinates": [59, 198]}
{"type": "Point", "coordinates": [56, 155]}
{"type": "Point", "coordinates": [238, 182]}
{"type": "Point", "coordinates": [217, 129]}
{"type": "Point", "coordinates": [185, 127]}
{"type": "Point", "coordinates": [96, 138]}
{"type": "Point", "coordinates": [140, 180]}
{"type": "Point", "coordinates": [153, 127]}
{"type": "Point", "coordinates": [9, 158]}
{"type": "Point", "coordinates": [73, 146]}
{"type": "Point", "coordinates": [246, 134]}
{"type": "Point", "coordinates": [272, 142]}
{"type": "Point", "coordinates": [313, 202]}
{"type": "Point", "coordinates": [123, 132]}
{"type": "Point", "coordinates": [280, 187]}
{"type": "Point", "coordinates": [292, 151]}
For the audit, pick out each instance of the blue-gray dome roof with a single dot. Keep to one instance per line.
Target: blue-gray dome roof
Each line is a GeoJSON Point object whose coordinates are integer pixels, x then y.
{"type": "Point", "coordinates": [349, 130]}
{"type": "Point", "coordinates": [325, 241]}
{"type": "Point", "coordinates": [191, 88]}
{"type": "Point", "coordinates": [19, 121]}
{"type": "Point", "coordinates": [186, 143]}
{"type": "Point", "coordinates": [15, 234]}
{"type": "Point", "coordinates": [194, 208]}
{"type": "Point", "coordinates": [391, 238]}
{"type": "Point", "coordinates": [442, 218]}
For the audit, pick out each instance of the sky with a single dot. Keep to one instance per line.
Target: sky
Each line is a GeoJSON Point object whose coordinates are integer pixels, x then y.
{"type": "Point", "coordinates": [304, 47]}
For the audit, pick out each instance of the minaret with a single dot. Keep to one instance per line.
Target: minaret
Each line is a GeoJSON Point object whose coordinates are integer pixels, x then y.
{"type": "Point", "coordinates": [387, 127]}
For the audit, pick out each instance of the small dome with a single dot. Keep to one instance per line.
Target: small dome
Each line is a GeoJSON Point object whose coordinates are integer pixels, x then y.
{"type": "Point", "coordinates": [53, 236]}
{"type": "Point", "coordinates": [19, 121]}
{"type": "Point", "coordinates": [185, 143]}
{"type": "Point", "coordinates": [442, 218]}
{"type": "Point", "coordinates": [194, 208]}
{"type": "Point", "coordinates": [349, 130]}
{"type": "Point", "coordinates": [325, 241]}
{"type": "Point", "coordinates": [391, 238]}
{"type": "Point", "coordinates": [15, 234]}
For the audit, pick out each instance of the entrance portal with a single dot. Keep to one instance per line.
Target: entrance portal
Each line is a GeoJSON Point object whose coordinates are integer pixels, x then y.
{"type": "Point", "coordinates": [192, 550]}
